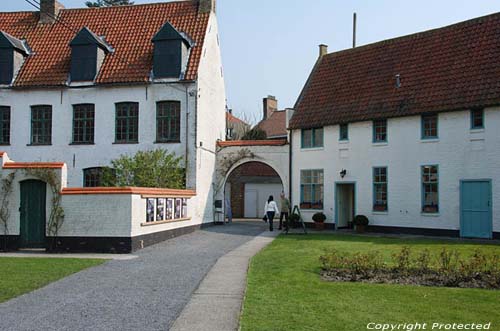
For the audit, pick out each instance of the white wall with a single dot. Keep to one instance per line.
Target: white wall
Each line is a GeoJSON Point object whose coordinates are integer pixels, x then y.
{"type": "Point", "coordinates": [210, 121]}
{"type": "Point", "coordinates": [459, 152]}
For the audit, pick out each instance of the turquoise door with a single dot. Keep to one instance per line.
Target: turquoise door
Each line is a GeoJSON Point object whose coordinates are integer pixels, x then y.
{"type": "Point", "coordinates": [475, 205]}
{"type": "Point", "coordinates": [33, 205]}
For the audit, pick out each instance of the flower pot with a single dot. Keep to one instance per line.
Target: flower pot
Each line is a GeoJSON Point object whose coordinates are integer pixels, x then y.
{"type": "Point", "coordinates": [319, 225]}
{"type": "Point", "coordinates": [360, 228]}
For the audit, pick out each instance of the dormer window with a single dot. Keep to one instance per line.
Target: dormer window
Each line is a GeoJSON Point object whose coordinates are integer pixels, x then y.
{"type": "Point", "coordinates": [12, 54]}
{"type": "Point", "coordinates": [87, 55]}
{"type": "Point", "coordinates": [171, 52]}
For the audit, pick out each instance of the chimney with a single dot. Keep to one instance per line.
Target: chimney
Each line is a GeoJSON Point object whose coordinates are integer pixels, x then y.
{"type": "Point", "coordinates": [207, 6]}
{"type": "Point", "coordinates": [323, 50]}
{"type": "Point", "coordinates": [270, 106]}
{"type": "Point", "coordinates": [49, 10]}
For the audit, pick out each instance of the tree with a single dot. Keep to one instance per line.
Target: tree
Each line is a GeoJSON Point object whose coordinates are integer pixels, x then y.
{"type": "Point", "coordinates": [108, 3]}
{"type": "Point", "coordinates": [154, 168]}
{"type": "Point", "coordinates": [255, 134]}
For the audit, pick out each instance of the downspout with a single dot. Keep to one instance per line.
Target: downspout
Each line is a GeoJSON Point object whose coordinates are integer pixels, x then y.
{"type": "Point", "coordinates": [186, 161]}
{"type": "Point", "coordinates": [290, 174]}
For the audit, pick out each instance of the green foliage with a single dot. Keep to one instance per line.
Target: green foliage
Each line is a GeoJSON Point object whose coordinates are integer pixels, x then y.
{"type": "Point", "coordinates": [108, 3]}
{"type": "Point", "coordinates": [360, 220]}
{"type": "Point", "coordinates": [154, 168]}
{"type": "Point", "coordinates": [403, 259]}
{"type": "Point", "coordinates": [4, 205]}
{"type": "Point", "coordinates": [255, 134]}
{"type": "Point", "coordinates": [319, 217]}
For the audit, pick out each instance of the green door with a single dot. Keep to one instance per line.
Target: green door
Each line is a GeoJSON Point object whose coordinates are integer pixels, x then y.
{"type": "Point", "coordinates": [33, 206]}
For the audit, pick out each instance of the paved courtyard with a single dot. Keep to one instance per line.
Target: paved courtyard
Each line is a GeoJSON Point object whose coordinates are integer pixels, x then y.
{"type": "Point", "coordinates": [145, 293]}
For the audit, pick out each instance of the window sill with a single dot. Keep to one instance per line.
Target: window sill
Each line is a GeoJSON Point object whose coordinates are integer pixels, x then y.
{"type": "Point", "coordinates": [430, 214]}
{"type": "Point", "coordinates": [429, 140]}
{"type": "Point", "coordinates": [168, 142]}
{"type": "Point", "coordinates": [310, 209]}
{"type": "Point", "coordinates": [478, 130]}
{"type": "Point", "coordinates": [380, 144]}
{"type": "Point", "coordinates": [166, 222]}
{"type": "Point", "coordinates": [312, 149]}
{"type": "Point", "coordinates": [6, 144]}
{"type": "Point", "coordinates": [34, 145]}
{"type": "Point", "coordinates": [380, 212]}
{"type": "Point", "coordinates": [81, 144]}
{"type": "Point", "coordinates": [126, 143]}
{"type": "Point", "coordinates": [343, 142]}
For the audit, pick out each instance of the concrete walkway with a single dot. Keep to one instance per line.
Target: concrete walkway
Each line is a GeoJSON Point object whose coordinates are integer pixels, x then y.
{"type": "Point", "coordinates": [216, 304]}
{"type": "Point", "coordinates": [145, 293]}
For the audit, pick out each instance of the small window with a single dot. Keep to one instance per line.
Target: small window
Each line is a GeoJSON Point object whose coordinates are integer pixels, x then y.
{"type": "Point", "coordinates": [430, 189]}
{"type": "Point", "coordinates": [83, 124]}
{"type": "Point", "coordinates": [4, 125]}
{"type": "Point", "coordinates": [380, 131]}
{"type": "Point", "coordinates": [41, 125]}
{"type": "Point", "coordinates": [477, 119]}
{"type": "Point", "coordinates": [311, 189]}
{"type": "Point", "coordinates": [83, 63]}
{"type": "Point", "coordinates": [312, 138]}
{"type": "Point", "coordinates": [127, 123]}
{"type": "Point", "coordinates": [93, 177]}
{"type": "Point", "coordinates": [430, 126]}
{"type": "Point", "coordinates": [6, 66]}
{"type": "Point", "coordinates": [168, 121]}
{"type": "Point", "coordinates": [344, 132]}
{"type": "Point", "coordinates": [380, 189]}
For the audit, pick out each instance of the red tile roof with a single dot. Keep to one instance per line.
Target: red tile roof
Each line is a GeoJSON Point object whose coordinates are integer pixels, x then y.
{"type": "Point", "coordinates": [156, 192]}
{"type": "Point", "coordinates": [128, 29]}
{"type": "Point", "coordinates": [33, 165]}
{"type": "Point", "coordinates": [233, 119]}
{"type": "Point", "coordinates": [452, 68]}
{"type": "Point", "coordinates": [274, 125]}
{"type": "Point", "coordinates": [243, 143]}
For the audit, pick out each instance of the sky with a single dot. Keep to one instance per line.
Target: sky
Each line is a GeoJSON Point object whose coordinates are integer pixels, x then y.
{"type": "Point", "coordinates": [270, 46]}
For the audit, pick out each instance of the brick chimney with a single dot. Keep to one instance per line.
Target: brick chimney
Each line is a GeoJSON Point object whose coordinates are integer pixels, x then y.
{"type": "Point", "coordinates": [270, 106]}
{"type": "Point", "coordinates": [49, 10]}
{"type": "Point", "coordinates": [323, 50]}
{"type": "Point", "coordinates": [207, 6]}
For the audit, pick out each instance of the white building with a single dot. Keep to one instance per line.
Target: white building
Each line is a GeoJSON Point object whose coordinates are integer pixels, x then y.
{"type": "Point", "coordinates": [85, 86]}
{"type": "Point", "coordinates": [404, 131]}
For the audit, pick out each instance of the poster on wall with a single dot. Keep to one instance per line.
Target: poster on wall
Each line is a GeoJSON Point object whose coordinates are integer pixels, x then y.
{"type": "Point", "coordinates": [170, 209]}
{"type": "Point", "coordinates": [178, 208]}
{"type": "Point", "coordinates": [184, 208]}
{"type": "Point", "coordinates": [150, 210]}
{"type": "Point", "coordinates": [160, 210]}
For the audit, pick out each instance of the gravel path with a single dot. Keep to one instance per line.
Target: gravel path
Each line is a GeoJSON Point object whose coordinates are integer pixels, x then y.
{"type": "Point", "coordinates": [146, 293]}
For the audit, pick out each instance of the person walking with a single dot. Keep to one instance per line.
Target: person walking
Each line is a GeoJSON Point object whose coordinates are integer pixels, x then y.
{"type": "Point", "coordinates": [270, 211]}
{"type": "Point", "coordinates": [285, 210]}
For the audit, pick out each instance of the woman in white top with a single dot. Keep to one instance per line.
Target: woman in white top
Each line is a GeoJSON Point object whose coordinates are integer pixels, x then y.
{"type": "Point", "coordinates": [271, 210]}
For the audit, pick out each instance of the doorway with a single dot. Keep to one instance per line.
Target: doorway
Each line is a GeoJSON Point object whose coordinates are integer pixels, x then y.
{"type": "Point", "coordinates": [33, 213]}
{"type": "Point", "coordinates": [476, 209]}
{"type": "Point", "coordinates": [345, 204]}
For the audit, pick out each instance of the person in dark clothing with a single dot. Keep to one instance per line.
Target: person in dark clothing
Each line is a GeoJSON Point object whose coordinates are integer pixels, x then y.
{"type": "Point", "coordinates": [285, 210]}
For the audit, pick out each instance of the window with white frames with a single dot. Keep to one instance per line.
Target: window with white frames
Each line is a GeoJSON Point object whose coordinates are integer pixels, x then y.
{"type": "Point", "coordinates": [430, 189]}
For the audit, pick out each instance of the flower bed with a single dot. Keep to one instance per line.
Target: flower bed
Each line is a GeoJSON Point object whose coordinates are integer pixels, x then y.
{"type": "Point", "coordinates": [446, 269]}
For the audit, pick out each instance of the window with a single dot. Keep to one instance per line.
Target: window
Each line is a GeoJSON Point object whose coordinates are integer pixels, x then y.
{"type": "Point", "coordinates": [6, 66]}
{"type": "Point", "coordinates": [127, 123]}
{"type": "Point", "coordinates": [477, 118]}
{"type": "Point", "coordinates": [168, 121]}
{"type": "Point", "coordinates": [311, 189]}
{"type": "Point", "coordinates": [380, 189]}
{"type": "Point", "coordinates": [4, 125]}
{"type": "Point", "coordinates": [430, 189]}
{"type": "Point", "coordinates": [430, 126]}
{"type": "Point", "coordinates": [312, 138]}
{"type": "Point", "coordinates": [380, 131]}
{"type": "Point", "coordinates": [41, 125]}
{"type": "Point", "coordinates": [83, 63]}
{"type": "Point", "coordinates": [83, 124]}
{"type": "Point", "coordinates": [344, 132]}
{"type": "Point", "coordinates": [93, 177]}
{"type": "Point", "coordinates": [170, 52]}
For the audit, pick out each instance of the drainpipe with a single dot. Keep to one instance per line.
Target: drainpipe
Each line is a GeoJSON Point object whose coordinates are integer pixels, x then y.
{"type": "Point", "coordinates": [290, 174]}
{"type": "Point", "coordinates": [186, 161]}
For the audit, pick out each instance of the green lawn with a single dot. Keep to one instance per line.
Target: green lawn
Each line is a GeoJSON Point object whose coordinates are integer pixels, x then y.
{"type": "Point", "coordinates": [23, 275]}
{"type": "Point", "coordinates": [285, 291]}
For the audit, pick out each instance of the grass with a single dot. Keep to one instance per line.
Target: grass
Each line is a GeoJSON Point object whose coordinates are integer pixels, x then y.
{"type": "Point", "coordinates": [285, 291]}
{"type": "Point", "coordinates": [23, 275]}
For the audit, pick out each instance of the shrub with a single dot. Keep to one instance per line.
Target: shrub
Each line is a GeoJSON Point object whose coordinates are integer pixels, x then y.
{"type": "Point", "coordinates": [447, 261]}
{"type": "Point", "coordinates": [403, 259]}
{"type": "Point", "coordinates": [361, 220]}
{"type": "Point", "coordinates": [319, 217]}
{"type": "Point", "coordinates": [255, 134]}
{"type": "Point", "coordinates": [423, 261]}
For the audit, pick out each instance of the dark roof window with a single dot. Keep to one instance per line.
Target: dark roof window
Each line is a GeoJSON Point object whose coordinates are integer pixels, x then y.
{"type": "Point", "coordinates": [12, 53]}
{"type": "Point", "coordinates": [87, 54]}
{"type": "Point", "coordinates": [171, 49]}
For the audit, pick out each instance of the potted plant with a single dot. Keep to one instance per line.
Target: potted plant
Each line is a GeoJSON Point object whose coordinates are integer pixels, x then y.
{"type": "Point", "coordinates": [361, 222]}
{"type": "Point", "coordinates": [293, 220]}
{"type": "Point", "coordinates": [319, 220]}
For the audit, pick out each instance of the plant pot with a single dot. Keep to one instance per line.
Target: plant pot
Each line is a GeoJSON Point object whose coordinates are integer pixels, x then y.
{"type": "Point", "coordinates": [360, 228]}
{"type": "Point", "coordinates": [319, 225]}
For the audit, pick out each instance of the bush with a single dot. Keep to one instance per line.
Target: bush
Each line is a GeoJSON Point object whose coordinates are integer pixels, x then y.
{"type": "Point", "coordinates": [361, 220]}
{"type": "Point", "coordinates": [255, 134]}
{"type": "Point", "coordinates": [319, 217]}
